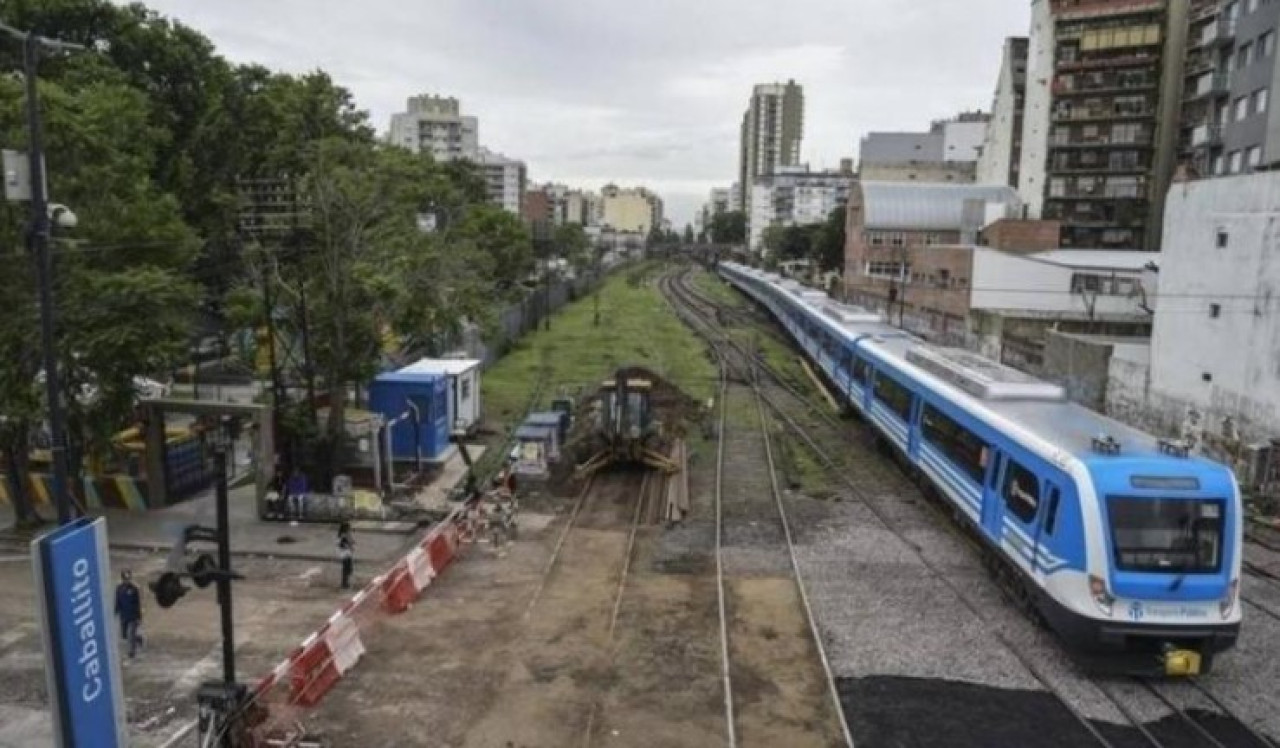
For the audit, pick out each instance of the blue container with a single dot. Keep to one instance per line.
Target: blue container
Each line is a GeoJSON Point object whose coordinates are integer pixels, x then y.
{"type": "Point", "coordinates": [395, 393]}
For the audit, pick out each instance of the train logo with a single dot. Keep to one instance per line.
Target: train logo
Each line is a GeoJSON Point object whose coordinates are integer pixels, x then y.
{"type": "Point", "coordinates": [1135, 610]}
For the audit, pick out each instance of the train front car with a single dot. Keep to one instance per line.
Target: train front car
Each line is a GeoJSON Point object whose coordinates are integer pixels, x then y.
{"type": "Point", "coordinates": [1164, 562]}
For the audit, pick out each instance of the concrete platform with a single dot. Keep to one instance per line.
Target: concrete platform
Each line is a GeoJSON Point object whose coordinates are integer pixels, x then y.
{"type": "Point", "coordinates": [435, 497]}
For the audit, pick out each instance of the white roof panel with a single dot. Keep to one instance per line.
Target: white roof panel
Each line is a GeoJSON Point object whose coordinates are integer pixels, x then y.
{"type": "Point", "coordinates": [920, 206]}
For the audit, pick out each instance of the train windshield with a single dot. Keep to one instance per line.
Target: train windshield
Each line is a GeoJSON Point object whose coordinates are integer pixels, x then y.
{"type": "Point", "coordinates": [1167, 535]}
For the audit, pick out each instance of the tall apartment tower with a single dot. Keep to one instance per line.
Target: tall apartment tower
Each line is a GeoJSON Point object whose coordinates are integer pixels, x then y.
{"type": "Point", "coordinates": [1001, 156]}
{"type": "Point", "coordinates": [772, 129]}
{"type": "Point", "coordinates": [1102, 118]}
{"type": "Point", "coordinates": [1228, 123]}
{"type": "Point", "coordinates": [435, 125]}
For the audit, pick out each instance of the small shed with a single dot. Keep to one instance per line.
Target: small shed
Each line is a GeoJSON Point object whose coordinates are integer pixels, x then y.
{"type": "Point", "coordinates": [533, 449]}
{"type": "Point", "coordinates": [463, 376]}
{"type": "Point", "coordinates": [559, 425]}
{"type": "Point", "coordinates": [416, 407]}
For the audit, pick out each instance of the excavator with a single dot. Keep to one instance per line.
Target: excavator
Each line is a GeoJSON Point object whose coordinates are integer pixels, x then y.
{"type": "Point", "coordinates": [624, 428]}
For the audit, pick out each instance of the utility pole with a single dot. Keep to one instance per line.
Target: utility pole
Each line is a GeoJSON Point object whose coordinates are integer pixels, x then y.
{"type": "Point", "coordinates": [38, 243]}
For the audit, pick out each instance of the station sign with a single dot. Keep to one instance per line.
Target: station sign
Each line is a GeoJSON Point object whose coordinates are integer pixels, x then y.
{"type": "Point", "coordinates": [82, 659]}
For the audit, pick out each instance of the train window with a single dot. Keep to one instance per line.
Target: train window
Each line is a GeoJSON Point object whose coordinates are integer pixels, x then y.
{"type": "Point", "coordinates": [1021, 491]}
{"type": "Point", "coordinates": [1051, 514]}
{"type": "Point", "coordinates": [894, 395]}
{"type": "Point", "coordinates": [962, 447]}
{"type": "Point", "coordinates": [1167, 535]}
{"type": "Point", "coordinates": [861, 370]}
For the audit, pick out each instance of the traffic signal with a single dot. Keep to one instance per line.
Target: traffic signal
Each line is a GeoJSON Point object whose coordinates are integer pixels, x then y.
{"type": "Point", "coordinates": [203, 570]}
{"type": "Point", "coordinates": [168, 589]}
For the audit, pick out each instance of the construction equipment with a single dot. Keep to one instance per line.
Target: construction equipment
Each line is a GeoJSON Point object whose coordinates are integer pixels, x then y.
{"type": "Point", "coordinates": [624, 427]}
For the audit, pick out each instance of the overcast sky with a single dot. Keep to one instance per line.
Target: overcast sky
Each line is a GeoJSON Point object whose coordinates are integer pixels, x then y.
{"type": "Point", "coordinates": [642, 92]}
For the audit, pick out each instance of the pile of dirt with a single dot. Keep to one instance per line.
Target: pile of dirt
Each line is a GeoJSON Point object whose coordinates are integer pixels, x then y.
{"type": "Point", "coordinates": [675, 411]}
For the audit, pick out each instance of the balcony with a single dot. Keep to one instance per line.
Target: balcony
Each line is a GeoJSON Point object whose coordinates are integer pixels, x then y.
{"type": "Point", "coordinates": [1142, 144]}
{"type": "Point", "coordinates": [1206, 136]}
{"type": "Point", "coordinates": [1080, 114]}
{"type": "Point", "coordinates": [1213, 85]}
{"type": "Point", "coordinates": [1220, 33]}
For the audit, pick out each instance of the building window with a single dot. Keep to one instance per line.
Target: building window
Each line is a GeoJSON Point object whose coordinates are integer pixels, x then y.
{"type": "Point", "coordinates": [1267, 44]}
{"type": "Point", "coordinates": [1215, 311]}
{"type": "Point", "coordinates": [1243, 56]}
{"type": "Point", "coordinates": [1233, 165]}
{"type": "Point", "coordinates": [875, 238]}
{"type": "Point", "coordinates": [1223, 238]}
{"type": "Point", "coordinates": [1021, 491]}
{"type": "Point", "coordinates": [889, 270]}
{"type": "Point", "coordinates": [1218, 165]}
{"type": "Point", "coordinates": [1259, 102]}
{"type": "Point", "coordinates": [1241, 108]}
{"type": "Point", "coordinates": [1123, 186]}
{"type": "Point", "coordinates": [1206, 377]}
{"type": "Point", "coordinates": [1255, 157]}
{"type": "Point", "coordinates": [898, 239]}
{"type": "Point", "coordinates": [1250, 6]}
{"type": "Point", "coordinates": [1057, 187]}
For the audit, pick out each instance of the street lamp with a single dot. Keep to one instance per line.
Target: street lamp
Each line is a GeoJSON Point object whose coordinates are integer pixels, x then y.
{"type": "Point", "coordinates": [43, 217]}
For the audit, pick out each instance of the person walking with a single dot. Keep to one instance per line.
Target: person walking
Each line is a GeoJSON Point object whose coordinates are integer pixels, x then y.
{"type": "Point", "coordinates": [297, 491]}
{"type": "Point", "coordinates": [129, 611]}
{"type": "Point", "coordinates": [346, 553]}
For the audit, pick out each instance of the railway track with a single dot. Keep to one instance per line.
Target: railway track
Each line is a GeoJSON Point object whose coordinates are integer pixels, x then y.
{"type": "Point", "coordinates": [867, 477]}
{"type": "Point", "coordinates": [754, 549]}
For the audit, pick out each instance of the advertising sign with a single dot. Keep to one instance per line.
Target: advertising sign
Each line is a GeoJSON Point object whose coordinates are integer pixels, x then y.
{"type": "Point", "coordinates": [82, 664]}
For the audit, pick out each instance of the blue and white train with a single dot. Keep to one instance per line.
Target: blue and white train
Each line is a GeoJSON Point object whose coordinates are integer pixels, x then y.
{"type": "Point", "coordinates": [1127, 547]}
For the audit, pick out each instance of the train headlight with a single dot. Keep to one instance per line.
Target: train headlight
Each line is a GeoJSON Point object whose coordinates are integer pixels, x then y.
{"type": "Point", "coordinates": [1101, 597]}
{"type": "Point", "coordinates": [1229, 602]}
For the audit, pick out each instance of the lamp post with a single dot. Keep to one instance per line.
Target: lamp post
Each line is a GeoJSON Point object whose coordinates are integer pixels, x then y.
{"type": "Point", "coordinates": [42, 219]}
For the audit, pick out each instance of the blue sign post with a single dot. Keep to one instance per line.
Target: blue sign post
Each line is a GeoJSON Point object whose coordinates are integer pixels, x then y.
{"type": "Point", "coordinates": [82, 663]}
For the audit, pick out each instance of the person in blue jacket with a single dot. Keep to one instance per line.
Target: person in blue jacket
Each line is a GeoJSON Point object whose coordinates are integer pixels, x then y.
{"type": "Point", "coordinates": [129, 611]}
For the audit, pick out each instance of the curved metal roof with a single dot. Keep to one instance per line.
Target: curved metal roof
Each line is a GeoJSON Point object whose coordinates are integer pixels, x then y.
{"type": "Point", "coordinates": [923, 206]}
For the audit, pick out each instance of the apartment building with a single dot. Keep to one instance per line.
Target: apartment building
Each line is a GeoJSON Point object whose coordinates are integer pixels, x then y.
{"type": "Point", "coordinates": [771, 134]}
{"type": "Point", "coordinates": [1001, 155]}
{"type": "Point", "coordinates": [1102, 117]}
{"type": "Point", "coordinates": [634, 210]}
{"type": "Point", "coordinates": [435, 125]}
{"type": "Point", "coordinates": [1228, 123]}
{"type": "Point", "coordinates": [947, 152]}
{"type": "Point", "coordinates": [504, 180]}
{"type": "Point", "coordinates": [795, 197]}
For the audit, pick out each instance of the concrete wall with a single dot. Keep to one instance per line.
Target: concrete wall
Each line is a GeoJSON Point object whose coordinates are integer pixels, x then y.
{"type": "Point", "coordinates": [1226, 365]}
{"type": "Point", "coordinates": [1035, 121]}
{"type": "Point", "coordinates": [1007, 281]}
{"type": "Point", "coordinates": [1022, 236]}
{"type": "Point", "coordinates": [995, 164]}
{"type": "Point", "coordinates": [962, 141]}
{"type": "Point", "coordinates": [959, 172]}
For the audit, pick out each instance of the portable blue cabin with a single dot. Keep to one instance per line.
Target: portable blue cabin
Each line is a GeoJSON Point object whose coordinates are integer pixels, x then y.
{"type": "Point", "coordinates": [397, 393]}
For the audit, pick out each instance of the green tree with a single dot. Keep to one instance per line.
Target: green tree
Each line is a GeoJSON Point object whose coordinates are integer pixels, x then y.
{"type": "Point", "coordinates": [688, 233]}
{"type": "Point", "coordinates": [828, 244]}
{"type": "Point", "coordinates": [503, 240]}
{"type": "Point", "coordinates": [573, 244]}
{"type": "Point", "coordinates": [123, 305]}
{"type": "Point", "coordinates": [729, 227]}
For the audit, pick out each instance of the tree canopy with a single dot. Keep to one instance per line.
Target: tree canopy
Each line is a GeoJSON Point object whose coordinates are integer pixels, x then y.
{"type": "Point", "coordinates": [149, 134]}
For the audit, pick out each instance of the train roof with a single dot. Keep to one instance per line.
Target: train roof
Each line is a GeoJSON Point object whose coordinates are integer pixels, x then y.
{"type": "Point", "coordinates": [1041, 408]}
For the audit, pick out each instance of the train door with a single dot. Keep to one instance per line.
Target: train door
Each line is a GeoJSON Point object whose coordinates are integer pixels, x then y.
{"type": "Point", "coordinates": [1048, 520]}
{"type": "Point", "coordinates": [992, 505]}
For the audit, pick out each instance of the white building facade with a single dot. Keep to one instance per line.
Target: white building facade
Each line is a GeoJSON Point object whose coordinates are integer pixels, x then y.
{"type": "Point", "coordinates": [1216, 344]}
{"type": "Point", "coordinates": [794, 197]}
{"type": "Point", "coordinates": [1033, 169]}
{"type": "Point", "coordinates": [504, 180]}
{"type": "Point", "coordinates": [435, 125]}
{"type": "Point", "coordinates": [1001, 154]}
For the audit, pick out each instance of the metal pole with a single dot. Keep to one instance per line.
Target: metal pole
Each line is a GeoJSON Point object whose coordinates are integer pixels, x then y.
{"type": "Point", "coordinates": [224, 566]}
{"type": "Point", "coordinates": [39, 240]}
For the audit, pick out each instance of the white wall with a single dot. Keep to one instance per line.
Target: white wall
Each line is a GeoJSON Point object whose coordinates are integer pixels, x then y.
{"type": "Point", "coordinates": [997, 143]}
{"type": "Point", "coordinates": [1019, 282]}
{"type": "Point", "coordinates": [962, 141]}
{"type": "Point", "coordinates": [1035, 123]}
{"type": "Point", "coordinates": [1240, 349]}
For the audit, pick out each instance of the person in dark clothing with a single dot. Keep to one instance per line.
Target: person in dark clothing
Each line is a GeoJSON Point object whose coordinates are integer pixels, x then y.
{"type": "Point", "coordinates": [129, 611]}
{"type": "Point", "coordinates": [296, 490]}
{"type": "Point", "coordinates": [346, 553]}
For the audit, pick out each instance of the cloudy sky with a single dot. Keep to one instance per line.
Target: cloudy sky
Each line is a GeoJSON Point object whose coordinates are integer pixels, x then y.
{"type": "Point", "coordinates": [642, 92]}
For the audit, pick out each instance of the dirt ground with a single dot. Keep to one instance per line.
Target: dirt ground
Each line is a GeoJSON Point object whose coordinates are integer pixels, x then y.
{"type": "Point", "coordinates": [277, 604]}
{"type": "Point", "coordinates": [493, 655]}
